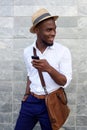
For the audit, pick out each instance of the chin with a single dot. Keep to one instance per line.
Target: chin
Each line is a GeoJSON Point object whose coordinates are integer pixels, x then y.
{"type": "Point", "coordinates": [48, 43]}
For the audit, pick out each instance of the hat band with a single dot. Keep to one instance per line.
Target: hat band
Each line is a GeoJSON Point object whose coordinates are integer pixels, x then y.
{"type": "Point", "coordinates": [41, 17]}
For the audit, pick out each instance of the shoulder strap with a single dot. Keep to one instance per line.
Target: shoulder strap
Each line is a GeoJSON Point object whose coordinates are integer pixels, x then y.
{"type": "Point", "coordinates": [40, 74]}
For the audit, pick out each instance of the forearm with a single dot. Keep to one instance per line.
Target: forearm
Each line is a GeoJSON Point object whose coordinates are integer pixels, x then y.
{"type": "Point", "coordinates": [27, 91]}
{"type": "Point", "coordinates": [44, 66]}
{"type": "Point", "coordinates": [56, 76]}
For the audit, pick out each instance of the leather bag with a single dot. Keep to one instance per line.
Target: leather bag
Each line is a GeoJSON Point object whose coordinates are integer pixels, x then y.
{"type": "Point", "coordinates": [56, 103]}
{"type": "Point", "coordinates": [57, 107]}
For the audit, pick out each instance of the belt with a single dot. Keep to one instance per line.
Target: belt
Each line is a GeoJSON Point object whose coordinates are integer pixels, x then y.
{"type": "Point", "coordinates": [43, 96]}
{"type": "Point", "coordinates": [38, 96]}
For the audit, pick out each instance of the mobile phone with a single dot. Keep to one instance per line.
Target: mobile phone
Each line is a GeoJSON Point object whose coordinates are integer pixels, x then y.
{"type": "Point", "coordinates": [35, 57]}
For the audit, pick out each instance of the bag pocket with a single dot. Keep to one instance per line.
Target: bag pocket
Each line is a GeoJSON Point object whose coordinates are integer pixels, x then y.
{"type": "Point", "coordinates": [61, 95]}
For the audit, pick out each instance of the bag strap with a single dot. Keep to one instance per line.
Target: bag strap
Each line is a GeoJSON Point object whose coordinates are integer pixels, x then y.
{"type": "Point", "coordinates": [41, 75]}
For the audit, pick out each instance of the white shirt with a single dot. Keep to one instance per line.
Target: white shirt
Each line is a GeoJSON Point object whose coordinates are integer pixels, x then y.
{"type": "Point", "coordinates": [59, 57]}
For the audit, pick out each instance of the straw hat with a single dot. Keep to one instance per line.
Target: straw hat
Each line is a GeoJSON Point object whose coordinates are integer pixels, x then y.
{"type": "Point", "coordinates": [39, 16]}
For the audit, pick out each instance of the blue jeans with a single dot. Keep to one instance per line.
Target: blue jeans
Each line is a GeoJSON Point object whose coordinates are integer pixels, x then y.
{"type": "Point", "coordinates": [32, 111]}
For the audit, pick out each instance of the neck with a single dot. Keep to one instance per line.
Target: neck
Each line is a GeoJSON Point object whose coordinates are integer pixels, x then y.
{"type": "Point", "coordinates": [41, 46]}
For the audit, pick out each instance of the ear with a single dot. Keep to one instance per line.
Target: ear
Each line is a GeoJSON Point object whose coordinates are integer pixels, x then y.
{"type": "Point", "coordinates": [36, 30]}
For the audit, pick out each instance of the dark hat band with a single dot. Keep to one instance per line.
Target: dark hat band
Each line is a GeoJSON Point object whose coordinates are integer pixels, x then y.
{"type": "Point", "coordinates": [41, 17]}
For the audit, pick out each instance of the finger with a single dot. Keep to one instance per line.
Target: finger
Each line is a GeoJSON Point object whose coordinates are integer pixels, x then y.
{"type": "Point", "coordinates": [36, 60]}
{"type": "Point", "coordinates": [25, 98]}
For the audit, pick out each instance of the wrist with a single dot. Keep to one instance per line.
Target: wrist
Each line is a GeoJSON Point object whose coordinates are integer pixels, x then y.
{"type": "Point", "coordinates": [50, 70]}
{"type": "Point", "coordinates": [26, 94]}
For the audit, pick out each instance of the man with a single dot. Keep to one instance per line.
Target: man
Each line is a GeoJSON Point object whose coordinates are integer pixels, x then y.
{"type": "Point", "coordinates": [55, 64]}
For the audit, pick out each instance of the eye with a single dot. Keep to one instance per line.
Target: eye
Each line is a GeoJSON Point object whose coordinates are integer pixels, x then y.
{"type": "Point", "coordinates": [49, 29]}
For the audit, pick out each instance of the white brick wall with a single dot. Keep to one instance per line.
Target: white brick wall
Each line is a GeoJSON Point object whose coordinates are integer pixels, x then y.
{"type": "Point", "coordinates": [15, 20]}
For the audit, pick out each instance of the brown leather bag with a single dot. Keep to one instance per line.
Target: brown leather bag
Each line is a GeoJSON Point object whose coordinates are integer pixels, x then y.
{"type": "Point", "coordinates": [58, 109]}
{"type": "Point", "coordinates": [56, 103]}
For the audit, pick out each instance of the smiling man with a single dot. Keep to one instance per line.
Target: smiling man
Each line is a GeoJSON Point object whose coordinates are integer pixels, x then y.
{"type": "Point", "coordinates": [54, 61]}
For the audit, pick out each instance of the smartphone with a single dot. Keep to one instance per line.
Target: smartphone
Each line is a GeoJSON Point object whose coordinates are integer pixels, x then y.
{"type": "Point", "coordinates": [35, 57]}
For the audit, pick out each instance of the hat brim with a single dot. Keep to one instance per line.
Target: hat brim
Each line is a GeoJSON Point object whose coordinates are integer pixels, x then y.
{"type": "Point", "coordinates": [33, 27]}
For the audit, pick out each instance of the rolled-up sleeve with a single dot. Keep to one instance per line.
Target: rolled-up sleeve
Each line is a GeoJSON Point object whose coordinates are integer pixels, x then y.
{"type": "Point", "coordinates": [66, 66]}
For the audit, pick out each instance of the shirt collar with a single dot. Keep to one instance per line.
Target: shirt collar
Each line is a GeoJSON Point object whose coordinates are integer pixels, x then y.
{"type": "Point", "coordinates": [34, 45]}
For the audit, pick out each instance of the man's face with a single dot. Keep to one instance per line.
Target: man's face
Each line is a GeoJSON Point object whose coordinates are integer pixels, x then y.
{"type": "Point", "coordinates": [47, 31]}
